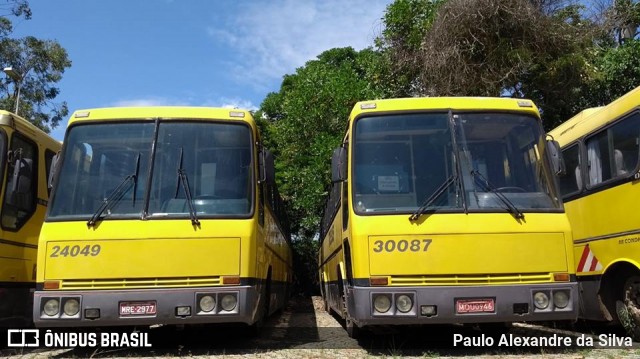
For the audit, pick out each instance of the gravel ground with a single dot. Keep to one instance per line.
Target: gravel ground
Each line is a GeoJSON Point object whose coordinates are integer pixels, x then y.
{"type": "Point", "coordinates": [305, 330]}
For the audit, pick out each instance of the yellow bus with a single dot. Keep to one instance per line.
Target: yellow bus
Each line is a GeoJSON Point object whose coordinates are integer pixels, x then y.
{"type": "Point", "coordinates": [600, 192]}
{"type": "Point", "coordinates": [445, 210]}
{"type": "Point", "coordinates": [26, 153]}
{"type": "Point", "coordinates": [162, 215]}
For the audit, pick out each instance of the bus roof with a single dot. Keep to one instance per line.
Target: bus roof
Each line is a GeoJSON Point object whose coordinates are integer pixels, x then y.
{"type": "Point", "coordinates": [591, 119]}
{"type": "Point", "coordinates": [14, 121]}
{"type": "Point", "coordinates": [128, 113]}
{"type": "Point", "coordinates": [569, 124]}
{"type": "Point", "coordinates": [445, 104]}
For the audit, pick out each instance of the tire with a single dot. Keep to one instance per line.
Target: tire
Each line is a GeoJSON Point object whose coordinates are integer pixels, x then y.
{"type": "Point", "coordinates": [255, 329]}
{"type": "Point", "coordinates": [628, 309]}
{"type": "Point", "coordinates": [353, 330]}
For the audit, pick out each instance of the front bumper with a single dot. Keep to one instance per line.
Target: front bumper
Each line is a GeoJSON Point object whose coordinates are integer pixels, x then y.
{"type": "Point", "coordinates": [166, 301]}
{"type": "Point", "coordinates": [511, 303]}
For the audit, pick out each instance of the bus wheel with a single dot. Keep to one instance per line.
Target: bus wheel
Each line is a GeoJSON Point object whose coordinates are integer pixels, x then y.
{"type": "Point", "coordinates": [628, 309]}
{"type": "Point", "coordinates": [353, 330]}
{"type": "Point", "coordinates": [325, 298]}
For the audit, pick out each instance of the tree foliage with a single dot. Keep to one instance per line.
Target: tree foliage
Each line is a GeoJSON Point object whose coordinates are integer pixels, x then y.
{"type": "Point", "coordinates": [616, 72]}
{"type": "Point", "coordinates": [41, 64]}
{"type": "Point", "coordinates": [406, 23]}
{"type": "Point", "coordinates": [16, 8]}
{"type": "Point", "coordinates": [302, 123]}
{"type": "Point", "coordinates": [306, 120]}
{"type": "Point", "coordinates": [495, 47]}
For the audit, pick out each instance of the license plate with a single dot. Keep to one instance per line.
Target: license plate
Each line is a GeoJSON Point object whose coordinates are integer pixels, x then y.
{"type": "Point", "coordinates": [475, 306]}
{"type": "Point", "coordinates": [137, 308]}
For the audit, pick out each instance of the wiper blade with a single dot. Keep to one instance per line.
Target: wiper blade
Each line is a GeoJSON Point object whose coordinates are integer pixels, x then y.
{"type": "Point", "coordinates": [515, 212]}
{"type": "Point", "coordinates": [443, 187]}
{"type": "Point", "coordinates": [111, 199]}
{"type": "Point", "coordinates": [117, 194]}
{"type": "Point", "coordinates": [182, 178]}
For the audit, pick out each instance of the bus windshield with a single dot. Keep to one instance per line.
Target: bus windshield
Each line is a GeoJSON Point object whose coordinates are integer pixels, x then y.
{"type": "Point", "coordinates": [460, 159]}
{"type": "Point", "coordinates": [215, 158]}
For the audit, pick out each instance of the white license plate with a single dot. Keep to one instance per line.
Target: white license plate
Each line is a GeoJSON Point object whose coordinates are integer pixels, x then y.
{"type": "Point", "coordinates": [137, 308]}
{"type": "Point", "coordinates": [475, 306]}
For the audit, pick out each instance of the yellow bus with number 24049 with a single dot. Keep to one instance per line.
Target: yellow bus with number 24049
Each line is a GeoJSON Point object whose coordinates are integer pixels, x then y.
{"type": "Point", "coordinates": [162, 215]}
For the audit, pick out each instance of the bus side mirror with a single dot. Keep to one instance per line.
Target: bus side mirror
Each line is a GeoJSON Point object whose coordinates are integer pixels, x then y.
{"type": "Point", "coordinates": [55, 161]}
{"type": "Point", "coordinates": [20, 183]}
{"type": "Point", "coordinates": [555, 155]}
{"type": "Point", "coordinates": [267, 168]}
{"type": "Point", "coordinates": [339, 165]}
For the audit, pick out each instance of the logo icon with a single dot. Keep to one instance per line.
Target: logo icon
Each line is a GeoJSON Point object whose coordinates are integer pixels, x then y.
{"type": "Point", "coordinates": [20, 338]}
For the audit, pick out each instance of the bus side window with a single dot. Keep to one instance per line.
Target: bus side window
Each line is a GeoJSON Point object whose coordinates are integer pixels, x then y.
{"type": "Point", "coordinates": [599, 164]}
{"type": "Point", "coordinates": [571, 181]}
{"type": "Point", "coordinates": [21, 190]}
{"type": "Point", "coordinates": [614, 152]}
{"type": "Point", "coordinates": [625, 135]}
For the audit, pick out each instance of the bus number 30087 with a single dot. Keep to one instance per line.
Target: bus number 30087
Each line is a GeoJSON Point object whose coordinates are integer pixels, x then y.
{"type": "Point", "coordinates": [403, 245]}
{"type": "Point", "coordinates": [75, 251]}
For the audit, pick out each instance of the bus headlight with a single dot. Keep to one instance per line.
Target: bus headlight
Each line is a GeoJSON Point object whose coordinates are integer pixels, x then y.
{"type": "Point", "coordinates": [404, 303]}
{"type": "Point", "coordinates": [541, 300]}
{"type": "Point", "coordinates": [381, 303]}
{"type": "Point", "coordinates": [207, 303]}
{"type": "Point", "coordinates": [560, 299]}
{"type": "Point", "coordinates": [71, 307]}
{"type": "Point", "coordinates": [51, 307]}
{"type": "Point", "coordinates": [229, 302]}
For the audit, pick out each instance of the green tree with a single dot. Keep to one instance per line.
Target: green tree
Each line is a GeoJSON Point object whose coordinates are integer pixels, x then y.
{"type": "Point", "coordinates": [16, 8]}
{"type": "Point", "coordinates": [41, 64]}
{"type": "Point", "coordinates": [617, 71]}
{"type": "Point", "coordinates": [307, 118]}
{"type": "Point", "coordinates": [521, 48]}
{"type": "Point", "coordinates": [406, 23]}
{"type": "Point", "coordinates": [302, 123]}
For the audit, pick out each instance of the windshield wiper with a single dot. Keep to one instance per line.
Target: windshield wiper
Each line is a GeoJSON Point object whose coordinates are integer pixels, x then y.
{"type": "Point", "coordinates": [432, 198]}
{"type": "Point", "coordinates": [517, 214]}
{"type": "Point", "coordinates": [117, 194]}
{"type": "Point", "coordinates": [182, 178]}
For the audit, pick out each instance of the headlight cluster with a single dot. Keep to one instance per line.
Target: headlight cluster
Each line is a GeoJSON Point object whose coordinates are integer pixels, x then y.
{"type": "Point", "coordinates": [217, 303]}
{"type": "Point", "coordinates": [393, 303]}
{"type": "Point", "coordinates": [51, 307]}
{"type": "Point", "coordinates": [551, 300]}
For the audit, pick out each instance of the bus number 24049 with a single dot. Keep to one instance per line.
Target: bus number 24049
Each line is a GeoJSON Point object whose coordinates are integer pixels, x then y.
{"type": "Point", "coordinates": [74, 251]}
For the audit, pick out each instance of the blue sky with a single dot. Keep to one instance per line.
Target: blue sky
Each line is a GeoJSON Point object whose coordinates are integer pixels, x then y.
{"type": "Point", "coordinates": [192, 52]}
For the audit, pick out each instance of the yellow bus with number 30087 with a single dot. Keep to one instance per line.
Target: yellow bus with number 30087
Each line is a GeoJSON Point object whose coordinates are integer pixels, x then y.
{"type": "Point", "coordinates": [445, 210]}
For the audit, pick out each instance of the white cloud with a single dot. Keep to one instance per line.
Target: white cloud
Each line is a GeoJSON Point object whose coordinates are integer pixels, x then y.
{"type": "Point", "coordinates": [236, 103]}
{"type": "Point", "coordinates": [273, 38]}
